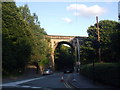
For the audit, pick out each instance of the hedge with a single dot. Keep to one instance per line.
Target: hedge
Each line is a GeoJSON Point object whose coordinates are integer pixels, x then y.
{"type": "Point", "coordinates": [107, 73]}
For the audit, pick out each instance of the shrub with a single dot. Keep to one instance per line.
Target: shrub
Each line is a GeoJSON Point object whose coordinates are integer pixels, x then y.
{"type": "Point", "coordinates": [107, 73]}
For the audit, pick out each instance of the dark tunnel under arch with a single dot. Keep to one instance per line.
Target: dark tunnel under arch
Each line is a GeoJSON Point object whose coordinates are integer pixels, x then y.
{"type": "Point", "coordinates": [72, 53]}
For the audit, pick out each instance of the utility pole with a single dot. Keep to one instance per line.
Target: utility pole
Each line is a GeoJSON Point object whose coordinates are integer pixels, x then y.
{"type": "Point", "coordinates": [98, 33]}
{"type": "Point", "coordinates": [78, 48]}
{"type": "Point", "coordinates": [78, 53]}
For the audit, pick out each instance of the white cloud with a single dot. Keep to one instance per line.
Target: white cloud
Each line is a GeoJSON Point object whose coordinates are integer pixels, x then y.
{"type": "Point", "coordinates": [83, 10]}
{"type": "Point", "coordinates": [68, 20]}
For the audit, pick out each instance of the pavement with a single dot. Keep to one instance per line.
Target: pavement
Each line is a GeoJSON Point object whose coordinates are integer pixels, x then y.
{"type": "Point", "coordinates": [77, 81]}
{"type": "Point", "coordinates": [28, 74]}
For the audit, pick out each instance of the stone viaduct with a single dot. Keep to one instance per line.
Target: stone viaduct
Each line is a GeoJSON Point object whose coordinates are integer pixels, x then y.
{"type": "Point", "coordinates": [73, 41]}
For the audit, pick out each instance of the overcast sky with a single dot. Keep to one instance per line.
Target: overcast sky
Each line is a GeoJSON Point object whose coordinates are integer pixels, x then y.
{"type": "Point", "coordinates": [71, 18]}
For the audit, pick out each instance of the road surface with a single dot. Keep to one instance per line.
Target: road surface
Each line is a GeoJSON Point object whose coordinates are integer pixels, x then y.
{"type": "Point", "coordinates": [44, 82]}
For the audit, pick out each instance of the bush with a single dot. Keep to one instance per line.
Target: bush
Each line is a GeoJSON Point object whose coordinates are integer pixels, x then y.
{"type": "Point", "coordinates": [107, 73]}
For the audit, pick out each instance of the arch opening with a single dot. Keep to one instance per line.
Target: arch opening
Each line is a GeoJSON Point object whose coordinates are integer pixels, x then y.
{"type": "Point", "coordinates": [64, 56]}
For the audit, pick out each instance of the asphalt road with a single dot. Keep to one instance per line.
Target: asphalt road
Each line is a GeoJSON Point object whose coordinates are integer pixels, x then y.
{"type": "Point", "coordinates": [47, 82]}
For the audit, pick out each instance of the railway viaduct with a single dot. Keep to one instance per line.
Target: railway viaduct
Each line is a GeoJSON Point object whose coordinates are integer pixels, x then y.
{"type": "Point", "coordinates": [72, 41]}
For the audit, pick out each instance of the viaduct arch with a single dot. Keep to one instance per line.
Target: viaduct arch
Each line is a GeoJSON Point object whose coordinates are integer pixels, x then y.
{"type": "Point", "coordinates": [73, 41]}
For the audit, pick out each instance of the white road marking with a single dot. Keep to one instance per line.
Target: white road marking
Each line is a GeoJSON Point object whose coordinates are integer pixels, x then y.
{"type": "Point", "coordinates": [20, 82]}
{"type": "Point", "coordinates": [25, 86]}
{"type": "Point", "coordinates": [16, 83]}
{"type": "Point", "coordinates": [29, 87]}
{"type": "Point", "coordinates": [66, 85]}
{"type": "Point", "coordinates": [36, 87]}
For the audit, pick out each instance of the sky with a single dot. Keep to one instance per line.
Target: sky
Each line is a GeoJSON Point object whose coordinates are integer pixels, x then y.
{"type": "Point", "coordinates": [71, 18]}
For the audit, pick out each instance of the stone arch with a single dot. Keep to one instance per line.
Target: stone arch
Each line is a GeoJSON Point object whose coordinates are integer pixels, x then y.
{"type": "Point", "coordinates": [59, 43]}
{"type": "Point", "coordinates": [54, 40]}
{"type": "Point", "coordinates": [57, 62]}
{"type": "Point", "coordinates": [70, 40]}
{"type": "Point", "coordinates": [65, 42]}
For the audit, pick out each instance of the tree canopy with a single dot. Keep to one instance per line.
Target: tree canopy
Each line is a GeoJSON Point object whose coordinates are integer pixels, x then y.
{"type": "Point", "coordinates": [23, 39]}
{"type": "Point", "coordinates": [109, 31]}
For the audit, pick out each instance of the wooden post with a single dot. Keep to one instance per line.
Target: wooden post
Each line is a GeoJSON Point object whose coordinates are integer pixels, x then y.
{"type": "Point", "coordinates": [98, 33]}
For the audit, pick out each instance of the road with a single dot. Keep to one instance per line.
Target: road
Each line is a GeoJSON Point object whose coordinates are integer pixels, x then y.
{"type": "Point", "coordinates": [44, 82]}
{"type": "Point", "coordinates": [49, 82]}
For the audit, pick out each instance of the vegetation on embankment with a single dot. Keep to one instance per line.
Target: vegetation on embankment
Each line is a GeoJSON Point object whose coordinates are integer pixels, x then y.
{"type": "Point", "coordinates": [109, 51]}
{"type": "Point", "coordinates": [107, 73]}
{"type": "Point", "coordinates": [23, 40]}
{"type": "Point", "coordinates": [109, 46]}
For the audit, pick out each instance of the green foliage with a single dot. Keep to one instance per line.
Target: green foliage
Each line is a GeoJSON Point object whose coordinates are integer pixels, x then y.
{"type": "Point", "coordinates": [107, 33]}
{"type": "Point", "coordinates": [45, 59]}
{"type": "Point", "coordinates": [40, 46]}
{"type": "Point", "coordinates": [115, 39]}
{"type": "Point", "coordinates": [23, 39]}
{"type": "Point", "coordinates": [103, 72]}
{"type": "Point", "coordinates": [108, 73]}
{"type": "Point", "coordinates": [16, 45]}
{"type": "Point", "coordinates": [87, 52]}
{"type": "Point", "coordinates": [40, 49]}
{"type": "Point", "coordinates": [87, 58]}
{"type": "Point", "coordinates": [64, 58]}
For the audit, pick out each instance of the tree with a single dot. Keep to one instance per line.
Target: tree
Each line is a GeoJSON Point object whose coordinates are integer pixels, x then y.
{"type": "Point", "coordinates": [115, 39]}
{"type": "Point", "coordinates": [87, 52]}
{"type": "Point", "coordinates": [107, 27]}
{"type": "Point", "coordinates": [40, 49]}
{"type": "Point", "coordinates": [23, 39]}
{"type": "Point", "coordinates": [16, 44]}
